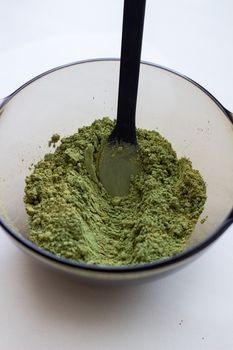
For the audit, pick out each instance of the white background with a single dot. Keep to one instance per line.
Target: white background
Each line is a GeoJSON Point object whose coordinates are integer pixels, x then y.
{"type": "Point", "coordinates": [192, 309]}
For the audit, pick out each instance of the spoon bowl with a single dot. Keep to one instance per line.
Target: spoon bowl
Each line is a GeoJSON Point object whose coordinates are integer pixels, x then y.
{"type": "Point", "coordinates": [118, 163]}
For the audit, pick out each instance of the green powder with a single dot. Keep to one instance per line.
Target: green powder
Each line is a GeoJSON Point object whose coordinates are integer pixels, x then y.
{"type": "Point", "coordinates": [54, 139]}
{"type": "Point", "coordinates": [71, 214]}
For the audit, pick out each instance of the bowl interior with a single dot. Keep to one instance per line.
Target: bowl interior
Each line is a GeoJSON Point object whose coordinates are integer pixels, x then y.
{"type": "Point", "coordinates": [76, 95]}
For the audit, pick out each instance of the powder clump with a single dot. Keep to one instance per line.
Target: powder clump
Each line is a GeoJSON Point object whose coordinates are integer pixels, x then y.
{"type": "Point", "coordinates": [72, 216]}
{"type": "Point", "coordinates": [54, 139]}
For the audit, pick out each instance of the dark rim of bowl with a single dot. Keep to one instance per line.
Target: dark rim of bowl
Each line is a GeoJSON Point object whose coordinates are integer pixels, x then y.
{"type": "Point", "coordinates": [130, 268]}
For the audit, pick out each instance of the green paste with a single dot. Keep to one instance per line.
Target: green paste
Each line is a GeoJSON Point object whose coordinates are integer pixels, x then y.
{"type": "Point", "coordinates": [71, 214]}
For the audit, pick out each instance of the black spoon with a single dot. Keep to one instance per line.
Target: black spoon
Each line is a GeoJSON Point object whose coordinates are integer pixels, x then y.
{"type": "Point", "coordinates": [119, 160]}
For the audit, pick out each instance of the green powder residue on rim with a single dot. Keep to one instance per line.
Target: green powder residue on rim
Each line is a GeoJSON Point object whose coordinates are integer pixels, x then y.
{"type": "Point", "coordinates": [71, 214]}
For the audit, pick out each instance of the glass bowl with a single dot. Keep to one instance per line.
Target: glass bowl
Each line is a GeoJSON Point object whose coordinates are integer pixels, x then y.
{"type": "Point", "coordinates": [68, 97]}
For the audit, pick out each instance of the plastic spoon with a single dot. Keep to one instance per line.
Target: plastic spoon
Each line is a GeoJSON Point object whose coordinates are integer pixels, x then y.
{"type": "Point", "coordinates": [119, 160]}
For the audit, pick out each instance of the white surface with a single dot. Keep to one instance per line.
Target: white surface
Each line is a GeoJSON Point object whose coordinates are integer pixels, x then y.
{"type": "Point", "coordinates": [191, 309]}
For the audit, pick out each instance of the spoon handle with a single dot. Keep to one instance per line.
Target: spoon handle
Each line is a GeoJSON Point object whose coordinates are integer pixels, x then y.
{"type": "Point", "coordinates": [131, 45]}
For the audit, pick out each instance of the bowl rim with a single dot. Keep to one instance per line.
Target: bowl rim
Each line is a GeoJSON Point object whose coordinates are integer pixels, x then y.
{"type": "Point", "coordinates": [163, 263]}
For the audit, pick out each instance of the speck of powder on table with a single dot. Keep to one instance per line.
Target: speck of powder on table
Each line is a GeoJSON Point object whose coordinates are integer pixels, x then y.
{"type": "Point", "coordinates": [72, 216]}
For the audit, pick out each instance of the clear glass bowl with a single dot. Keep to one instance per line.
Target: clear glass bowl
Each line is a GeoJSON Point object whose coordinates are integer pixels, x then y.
{"type": "Point", "coordinates": [74, 95]}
